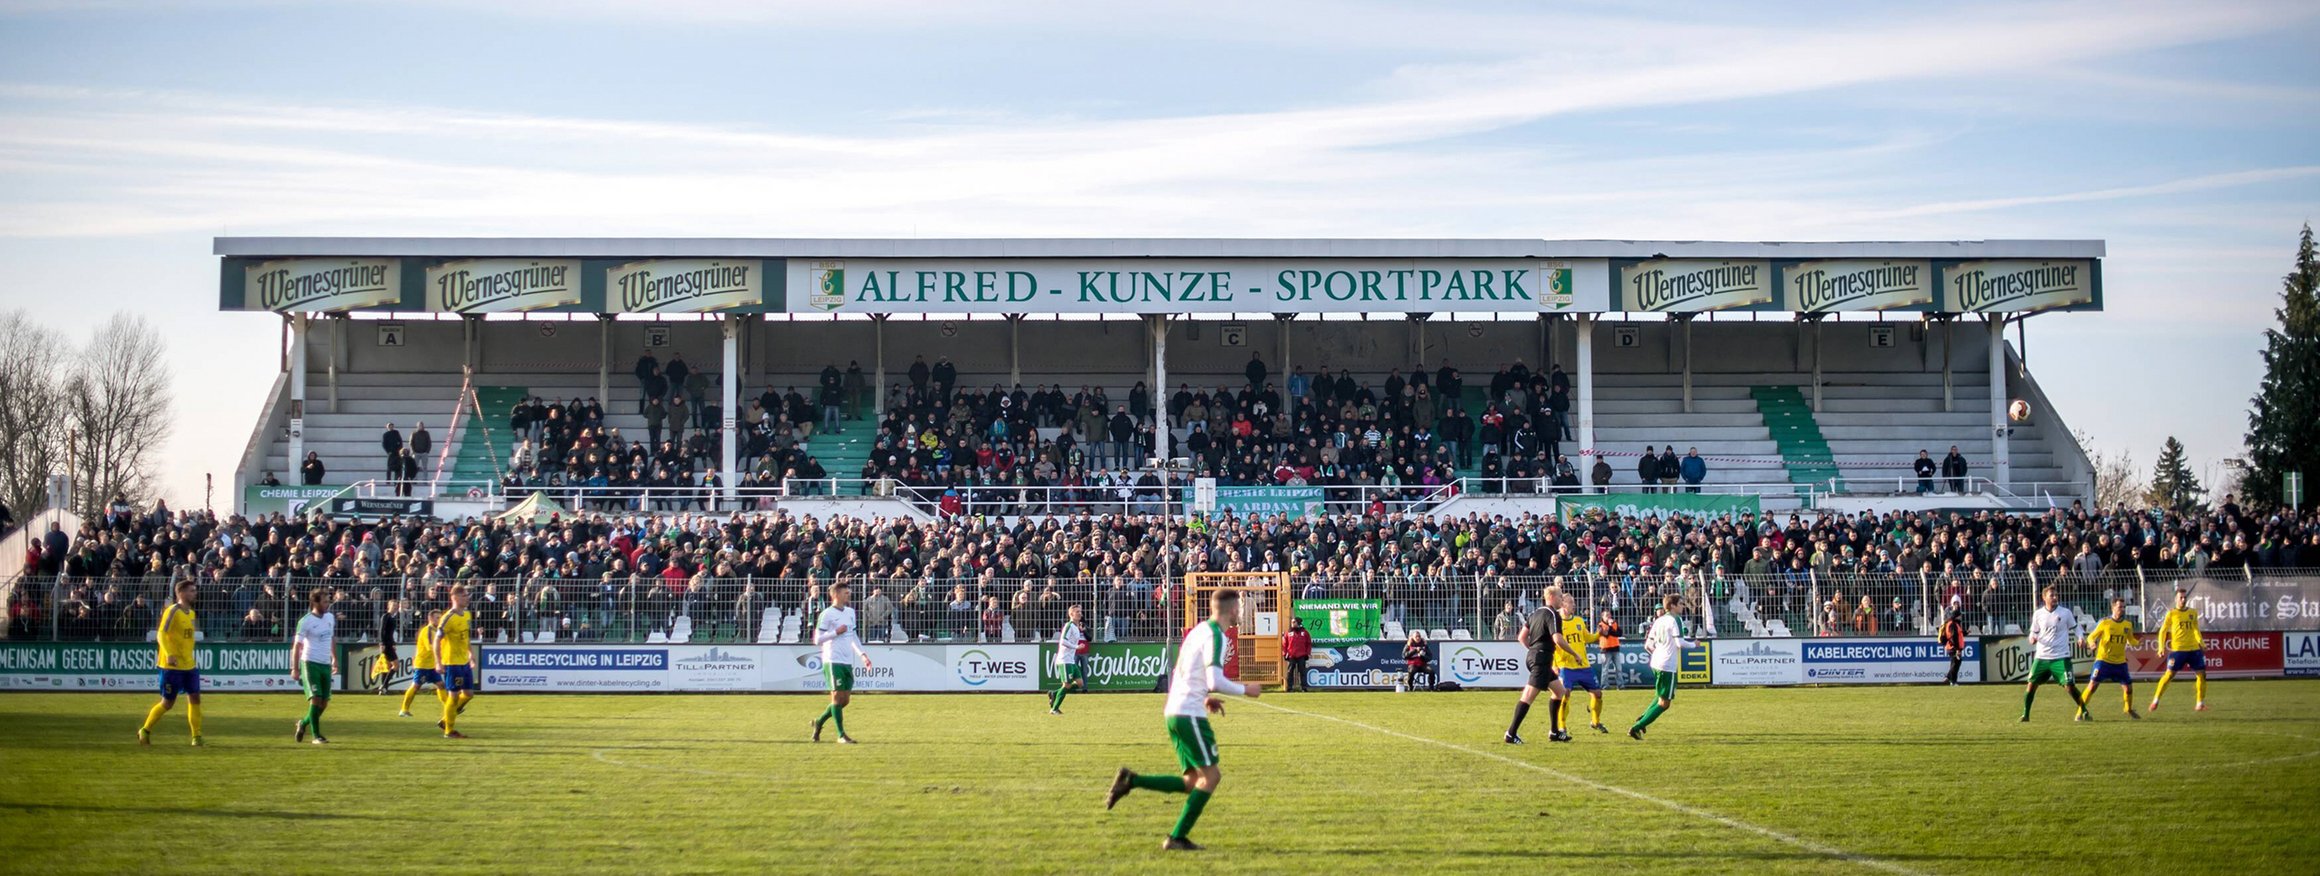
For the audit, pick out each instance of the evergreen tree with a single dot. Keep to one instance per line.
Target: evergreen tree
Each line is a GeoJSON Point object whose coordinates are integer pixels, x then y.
{"type": "Point", "coordinates": [2284, 427]}
{"type": "Point", "coordinates": [2173, 486]}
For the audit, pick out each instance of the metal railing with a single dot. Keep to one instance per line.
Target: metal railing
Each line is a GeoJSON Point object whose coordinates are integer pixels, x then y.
{"type": "Point", "coordinates": [702, 608]}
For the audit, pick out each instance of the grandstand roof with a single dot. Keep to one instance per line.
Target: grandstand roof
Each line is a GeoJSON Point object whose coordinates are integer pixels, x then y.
{"type": "Point", "coordinates": [1126, 247]}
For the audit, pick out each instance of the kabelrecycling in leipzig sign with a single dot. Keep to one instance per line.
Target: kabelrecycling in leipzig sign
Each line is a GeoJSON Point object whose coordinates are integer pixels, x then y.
{"type": "Point", "coordinates": [1885, 661]}
{"type": "Point", "coordinates": [738, 667]}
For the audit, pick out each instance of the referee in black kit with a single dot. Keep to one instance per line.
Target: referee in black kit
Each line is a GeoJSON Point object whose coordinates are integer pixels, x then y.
{"type": "Point", "coordinates": [1543, 635]}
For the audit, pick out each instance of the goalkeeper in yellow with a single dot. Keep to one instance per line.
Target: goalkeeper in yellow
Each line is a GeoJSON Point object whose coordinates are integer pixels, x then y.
{"type": "Point", "coordinates": [179, 672]}
{"type": "Point", "coordinates": [1573, 668]}
{"type": "Point", "coordinates": [2179, 638]}
{"type": "Point", "coordinates": [2110, 641]}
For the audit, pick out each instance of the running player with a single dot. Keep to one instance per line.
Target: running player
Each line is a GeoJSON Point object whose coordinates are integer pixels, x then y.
{"type": "Point", "coordinates": [456, 655]}
{"type": "Point", "coordinates": [1199, 670]}
{"type": "Point", "coordinates": [2050, 628]}
{"type": "Point", "coordinates": [1573, 670]}
{"type": "Point", "coordinates": [179, 672]}
{"type": "Point", "coordinates": [2110, 640]}
{"type": "Point", "coordinates": [313, 659]}
{"type": "Point", "coordinates": [834, 631]}
{"type": "Point", "coordinates": [1664, 646]}
{"type": "Point", "coordinates": [425, 672]}
{"type": "Point", "coordinates": [1543, 635]}
{"type": "Point", "coordinates": [1071, 643]}
{"type": "Point", "coordinates": [2179, 638]}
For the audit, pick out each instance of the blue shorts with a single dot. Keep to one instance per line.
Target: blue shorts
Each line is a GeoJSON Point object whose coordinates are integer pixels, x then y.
{"type": "Point", "coordinates": [2195, 660]}
{"type": "Point", "coordinates": [2112, 672]}
{"type": "Point", "coordinates": [426, 676]}
{"type": "Point", "coordinates": [180, 681]}
{"type": "Point", "coordinates": [459, 678]}
{"type": "Point", "coordinates": [1579, 679]}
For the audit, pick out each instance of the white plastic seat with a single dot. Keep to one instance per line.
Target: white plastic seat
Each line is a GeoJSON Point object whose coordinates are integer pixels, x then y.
{"type": "Point", "coordinates": [656, 638]}
{"type": "Point", "coordinates": [528, 637]}
{"type": "Point", "coordinates": [547, 637]}
{"type": "Point", "coordinates": [1437, 635]}
{"type": "Point", "coordinates": [2013, 629]}
{"type": "Point", "coordinates": [1461, 635]}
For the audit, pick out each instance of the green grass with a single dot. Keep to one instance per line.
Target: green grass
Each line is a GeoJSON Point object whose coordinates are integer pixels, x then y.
{"type": "Point", "coordinates": [1929, 780]}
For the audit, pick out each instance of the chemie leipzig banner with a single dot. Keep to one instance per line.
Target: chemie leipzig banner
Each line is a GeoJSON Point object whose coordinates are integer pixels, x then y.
{"type": "Point", "coordinates": [116, 666]}
{"type": "Point", "coordinates": [1884, 661]}
{"type": "Point", "coordinates": [322, 285]}
{"type": "Point", "coordinates": [1339, 621]}
{"type": "Point", "coordinates": [1571, 508]}
{"type": "Point", "coordinates": [1125, 666]}
{"type": "Point", "coordinates": [2259, 602]}
{"type": "Point", "coordinates": [1170, 285]}
{"type": "Point", "coordinates": [684, 285]}
{"type": "Point", "coordinates": [1246, 501]}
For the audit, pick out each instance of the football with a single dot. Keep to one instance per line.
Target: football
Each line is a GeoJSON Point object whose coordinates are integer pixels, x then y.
{"type": "Point", "coordinates": [2018, 411]}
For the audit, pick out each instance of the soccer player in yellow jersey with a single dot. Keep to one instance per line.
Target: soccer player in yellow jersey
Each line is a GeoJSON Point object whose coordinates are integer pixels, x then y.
{"type": "Point", "coordinates": [2110, 640]}
{"type": "Point", "coordinates": [457, 656]}
{"type": "Point", "coordinates": [424, 671]}
{"type": "Point", "coordinates": [2179, 638]}
{"type": "Point", "coordinates": [179, 672]}
{"type": "Point", "coordinates": [1572, 667]}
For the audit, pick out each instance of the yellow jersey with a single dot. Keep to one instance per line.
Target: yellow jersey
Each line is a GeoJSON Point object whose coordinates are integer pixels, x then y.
{"type": "Point", "coordinates": [423, 656]}
{"type": "Point", "coordinates": [1576, 635]}
{"type": "Point", "coordinates": [2111, 639]}
{"type": "Point", "coordinates": [175, 636]}
{"type": "Point", "coordinates": [452, 632]}
{"type": "Point", "coordinates": [2179, 630]}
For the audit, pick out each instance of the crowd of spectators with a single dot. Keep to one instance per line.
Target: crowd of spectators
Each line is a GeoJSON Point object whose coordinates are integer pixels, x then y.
{"type": "Point", "coordinates": [596, 574]}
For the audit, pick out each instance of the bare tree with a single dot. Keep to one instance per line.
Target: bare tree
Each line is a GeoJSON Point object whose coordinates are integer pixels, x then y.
{"type": "Point", "coordinates": [2117, 480]}
{"type": "Point", "coordinates": [34, 362]}
{"type": "Point", "coordinates": [119, 405]}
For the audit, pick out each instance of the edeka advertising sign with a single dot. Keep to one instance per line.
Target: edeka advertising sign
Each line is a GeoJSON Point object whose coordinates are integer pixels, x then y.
{"type": "Point", "coordinates": [1856, 284]}
{"type": "Point", "coordinates": [1570, 508]}
{"type": "Point", "coordinates": [684, 285]}
{"type": "Point", "coordinates": [1757, 661]}
{"type": "Point", "coordinates": [2300, 654]}
{"type": "Point", "coordinates": [1248, 501]}
{"type": "Point", "coordinates": [128, 666]}
{"type": "Point", "coordinates": [1121, 666]}
{"type": "Point", "coordinates": [1885, 661]}
{"type": "Point", "coordinates": [1339, 621]}
{"type": "Point", "coordinates": [1369, 665]}
{"type": "Point", "coordinates": [1634, 669]}
{"type": "Point", "coordinates": [2018, 285]}
{"type": "Point", "coordinates": [502, 285]}
{"type": "Point", "coordinates": [1173, 285]}
{"type": "Point", "coordinates": [1694, 285]}
{"type": "Point", "coordinates": [322, 285]}
{"type": "Point", "coordinates": [576, 668]}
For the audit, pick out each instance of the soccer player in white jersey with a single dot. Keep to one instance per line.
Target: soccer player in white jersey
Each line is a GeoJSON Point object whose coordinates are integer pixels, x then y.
{"type": "Point", "coordinates": [313, 658]}
{"type": "Point", "coordinates": [2050, 634]}
{"type": "Point", "coordinates": [841, 648]}
{"type": "Point", "coordinates": [1199, 671]}
{"type": "Point", "coordinates": [1071, 643]}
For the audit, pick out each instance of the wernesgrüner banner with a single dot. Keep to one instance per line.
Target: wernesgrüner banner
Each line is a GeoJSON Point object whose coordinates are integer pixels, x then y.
{"type": "Point", "coordinates": [322, 285]}
{"type": "Point", "coordinates": [502, 285]}
{"type": "Point", "coordinates": [684, 285]}
{"type": "Point", "coordinates": [1225, 285]}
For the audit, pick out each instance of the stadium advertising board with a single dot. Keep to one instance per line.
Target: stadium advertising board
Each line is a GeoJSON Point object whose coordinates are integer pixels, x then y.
{"type": "Point", "coordinates": [502, 285]}
{"type": "Point", "coordinates": [716, 668]}
{"type": "Point", "coordinates": [1634, 669]}
{"type": "Point", "coordinates": [1123, 666]}
{"type": "Point", "coordinates": [2019, 285]}
{"type": "Point", "coordinates": [2300, 654]}
{"type": "Point", "coordinates": [1757, 661]}
{"type": "Point", "coordinates": [2258, 602]}
{"type": "Point", "coordinates": [322, 285]}
{"type": "Point", "coordinates": [1885, 661]}
{"type": "Point", "coordinates": [1246, 501]}
{"type": "Point", "coordinates": [1570, 508]}
{"type": "Point", "coordinates": [2229, 655]}
{"type": "Point", "coordinates": [1339, 621]}
{"type": "Point", "coordinates": [1694, 285]}
{"type": "Point", "coordinates": [1368, 665]}
{"type": "Point", "coordinates": [1482, 664]}
{"type": "Point", "coordinates": [626, 668]}
{"type": "Point", "coordinates": [1168, 285]}
{"type": "Point", "coordinates": [1856, 284]}
{"type": "Point", "coordinates": [129, 666]}
{"type": "Point", "coordinates": [284, 499]}
{"type": "Point", "coordinates": [684, 285]}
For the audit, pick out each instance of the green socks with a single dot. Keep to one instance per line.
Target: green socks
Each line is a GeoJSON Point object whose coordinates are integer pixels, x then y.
{"type": "Point", "coordinates": [1193, 802]}
{"type": "Point", "coordinates": [2027, 696]}
{"type": "Point", "coordinates": [313, 719]}
{"type": "Point", "coordinates": [1651, 714]}
{"type": "Point", "coordinates": [1170, 784]}
{"type": "Point", "coordinates": [1055, 699]}
{"type": "Point", "coordinates": [836, 713]}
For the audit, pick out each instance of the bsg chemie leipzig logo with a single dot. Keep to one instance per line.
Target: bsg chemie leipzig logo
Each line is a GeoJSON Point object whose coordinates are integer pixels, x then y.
{"type": "Point", "coordinates": [976, 667]}
{"type": "Point", "coordinates": [828, 291]}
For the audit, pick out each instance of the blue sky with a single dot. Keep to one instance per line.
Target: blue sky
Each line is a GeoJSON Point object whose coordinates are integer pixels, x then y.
{"type": "Point", "coordinates": [2182, 133]}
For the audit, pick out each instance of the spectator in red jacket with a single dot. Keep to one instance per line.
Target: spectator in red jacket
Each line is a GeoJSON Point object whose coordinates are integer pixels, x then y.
{"type": "Point", "coordinates": [1297, 647]}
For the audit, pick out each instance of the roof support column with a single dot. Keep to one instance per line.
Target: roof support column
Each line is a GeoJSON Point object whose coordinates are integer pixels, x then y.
{"type": "Point", "coordinates": [1014, 351]}
{"type": "Point", "coordinates": [338, 355]}
{"type": "Point", "coordinates": [297, 453]}
{"type": "Point", "coordinates": [878, 365]}
{"type": "Point", "coordinates": [1948, 383]}
{"type": "Point", "coordinates": [2001, 458]}
{"type": "Point", "coordinates": [1586, 351]}
{"type": "Point", "coordinates": [1159, 399]}
{"type": "Point", "coordinates": [729, 381]}
{"type": "Point", "coordinates": [1687, 320]}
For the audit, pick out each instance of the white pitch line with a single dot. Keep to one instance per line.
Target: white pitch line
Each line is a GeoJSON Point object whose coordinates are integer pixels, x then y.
{"type": "Point", "coordinates": [1725, 820]}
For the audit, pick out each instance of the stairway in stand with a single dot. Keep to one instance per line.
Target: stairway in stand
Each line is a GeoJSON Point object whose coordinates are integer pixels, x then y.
{"type": "Point", "coordinates": [1804, 452]}
{"type": "Point", "coordinates": [480, 460]}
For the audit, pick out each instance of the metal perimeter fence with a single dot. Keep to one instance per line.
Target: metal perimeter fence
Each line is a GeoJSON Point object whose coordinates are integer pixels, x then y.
{"type": "Point", "coordinates": [1802, 603]}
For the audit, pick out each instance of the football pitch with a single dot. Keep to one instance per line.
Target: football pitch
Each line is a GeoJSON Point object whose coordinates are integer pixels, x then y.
{"type": "Point", "coordinates": [1899, 780]}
